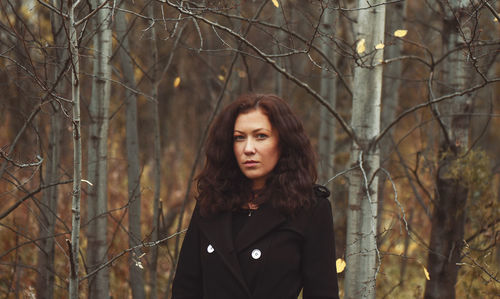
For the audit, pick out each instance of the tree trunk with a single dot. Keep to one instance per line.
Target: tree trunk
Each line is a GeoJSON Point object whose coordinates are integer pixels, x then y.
{"type": "Point", "coordinates": [361, 249]}
{"type": "Point", "coordinates": [326, 140]}
{"type": "Point", "coordinates": [97, 198]}
{"type": "Point", "coordinates": [154, 110]}
{"type": "Point", "coordinates": [136, 279]}
{"type": "Point", "coordinates": [279, 21]}
{"type": "Point", "coordinates": [448, 217]}
{"type": "Point", "coordinates": [45, 277]}
{"type": "Point", "coordinates": [390, 91]}
{"type": "Point", "coordinates": [77, 155]}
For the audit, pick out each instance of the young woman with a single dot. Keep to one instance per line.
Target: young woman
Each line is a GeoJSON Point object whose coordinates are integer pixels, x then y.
{"type": "Point", "coordinates": [261, 228]}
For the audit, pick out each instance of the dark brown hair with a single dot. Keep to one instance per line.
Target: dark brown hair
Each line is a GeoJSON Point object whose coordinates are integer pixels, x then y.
{"type": "Point", "coordinates": [289, 187]}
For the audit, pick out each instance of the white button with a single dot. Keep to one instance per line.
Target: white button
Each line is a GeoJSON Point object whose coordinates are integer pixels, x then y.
{"type": "Point", "coordinates": [210, 249]}
{"type": "Point", "coordinates": [256, 254]}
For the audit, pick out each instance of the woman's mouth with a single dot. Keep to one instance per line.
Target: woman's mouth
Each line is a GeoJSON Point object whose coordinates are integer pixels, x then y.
{"type": "Point", "coordinates": [250, 163]}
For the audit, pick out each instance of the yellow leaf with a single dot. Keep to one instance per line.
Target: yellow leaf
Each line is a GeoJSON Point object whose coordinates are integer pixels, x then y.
{"type": "Point", "coordinates": [361, 47]}
{"type": "Point", "coordinates": [340, 265]}
{"type": "Point", "coordinates": [400, 33]}
{"type": "Point", "coordinates": [242, 74]}
{"type": "Point", "coordinates": [221, 77]}
{"type": "Point", "coordinates": [379, 46]}
{"type": "Point", "coordinates": [276, 3]}
{"type": "Point", "coordinates": [427, 276]}
{"type": "Point", "coordinates": [177, 82]}
{"type": "Point", "coordinates": [495, 20]}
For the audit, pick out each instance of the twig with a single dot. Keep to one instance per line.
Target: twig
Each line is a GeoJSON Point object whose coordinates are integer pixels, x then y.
{"type": "Point", "coordinates": [339, 174]}
{"type": "Point", "coordinates": [21, 165]}
{"type": "Point", "coordinates": [396, 198]}
{"type": "Point", "coordinates": [347, 128]}
{"type": "Point", "coordinates": [143, 245]}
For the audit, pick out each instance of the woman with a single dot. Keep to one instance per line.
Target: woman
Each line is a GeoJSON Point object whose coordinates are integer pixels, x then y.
{"type": "Point", "coordinates": [261, 229]}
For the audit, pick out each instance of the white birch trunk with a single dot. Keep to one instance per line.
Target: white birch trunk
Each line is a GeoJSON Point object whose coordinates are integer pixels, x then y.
{"type": "Point", "coordinates": [132, 141]}
{"type": "Point", "coordinates": [77, 154]}
{"type": "Point", "coordinates": [328, 89]}
{"type": "Point", "coordinates": [361, 247]}
{"type": "Point", "coordinates": [97, 198]}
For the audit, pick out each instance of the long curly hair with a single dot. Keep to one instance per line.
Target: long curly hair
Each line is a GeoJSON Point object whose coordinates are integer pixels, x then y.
{"type": "Point", "coordinates": [289, 187]}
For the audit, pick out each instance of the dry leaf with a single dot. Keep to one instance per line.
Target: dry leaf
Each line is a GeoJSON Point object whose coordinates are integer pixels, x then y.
{"type": "Point", "coordinates": [221, 77]}
{"type": "Point", "coordinates": [276, 3]}
{"type": "Point", "coordinates": [427, 276]}
{"type": "Point", "coordinates": [361, 47]}
{"type": "Point", "coordinates": [400, 33]}
{"type": "Point", "coordinates": [177, 82]}
{"type": "Point", "coordinates": [242, 74]}
{"type": "Point", "coordinates": [379, 46]}
{"type": "Point", "coordinates": [340, 265]}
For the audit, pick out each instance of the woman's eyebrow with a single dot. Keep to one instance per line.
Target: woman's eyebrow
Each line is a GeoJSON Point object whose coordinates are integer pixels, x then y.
{"type": "Point", "coordinates": [253, 131]}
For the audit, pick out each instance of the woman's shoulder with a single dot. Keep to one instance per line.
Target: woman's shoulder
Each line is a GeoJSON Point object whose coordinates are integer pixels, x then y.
{"type": "Point", "coordinates": [318, 205]}
{"type": "Point", "coordinates": [321, 192]}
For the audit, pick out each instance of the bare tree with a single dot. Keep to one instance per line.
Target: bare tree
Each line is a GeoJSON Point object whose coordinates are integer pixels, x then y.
{"type": "Point", "coordinates": [448, 217]}
{"type": "Point", "coordinates": [97, 198]}
{"type": "Point", "coordinates": [328, 90]}
{"type": "Point", "coordinates": [395, 15]}
{"type": "Point", "coordinates": [46, 270]}
{"type": "Point", "coordinates": [361, 250]}
{"type": "Point", "coordinates": [74, 244]}
{"type": "Point", "coordinates": [437, 86]}
{"type": "Point", "coordinates": [136, 279]}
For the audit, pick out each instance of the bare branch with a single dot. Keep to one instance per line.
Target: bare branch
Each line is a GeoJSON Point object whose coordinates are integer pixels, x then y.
{"type": "Point", "coordinates": [53, 9]}
{"type": "Point", "coordinates": [347, 128]}
{"type": "Point", "coordinates": [19, 202]}
{"type": "Point", "coordinates": [116, 257]}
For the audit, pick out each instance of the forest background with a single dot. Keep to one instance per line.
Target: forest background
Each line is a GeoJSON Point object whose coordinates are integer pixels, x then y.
{"type": "Point", "coordinates": [104, 107]}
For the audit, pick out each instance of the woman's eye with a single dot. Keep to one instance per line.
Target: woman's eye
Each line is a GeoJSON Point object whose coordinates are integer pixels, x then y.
{"type": "Point", "coordinates": [238, 137]}
{"type": "Point", "coordinates": [261, 136]}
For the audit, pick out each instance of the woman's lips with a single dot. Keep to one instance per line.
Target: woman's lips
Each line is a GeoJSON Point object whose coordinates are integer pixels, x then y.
{"type": "Point", "coordinates": [250, 163]}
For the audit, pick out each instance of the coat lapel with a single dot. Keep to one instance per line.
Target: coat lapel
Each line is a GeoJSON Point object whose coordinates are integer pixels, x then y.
{"type": "Point", "coordinates": [262, 221]}
{"type": "Point", "coordinates": [217, 229]}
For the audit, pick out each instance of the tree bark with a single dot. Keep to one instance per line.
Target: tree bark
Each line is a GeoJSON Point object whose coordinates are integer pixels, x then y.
{"type": "Point", "coordinates": [77, 154]}
{"type": "Point", "coordinates": [361, 249]}
{"type": "Point", "coordinates": [279, 21]}
{"type": "Point", "coordinates": [154, 110]}
{"type": "Point", "coordinates": [328, 90]}
{"type": "Point", "coordinates": [448, 217]}
{"type": "Point", "coordinates": [97, 198]}
{"type": "Point", "coordinates": [390, 91]}
{"type": "Point", "coordinates": [45, 277]}
{"type": "Point", "coordinates": [136, 279]}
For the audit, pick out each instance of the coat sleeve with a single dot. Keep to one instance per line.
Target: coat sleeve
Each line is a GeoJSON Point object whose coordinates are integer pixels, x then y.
{"type": "Point", "coordinates": [318, 261]}
{"type": "Point", "coordinates": [187, 283]}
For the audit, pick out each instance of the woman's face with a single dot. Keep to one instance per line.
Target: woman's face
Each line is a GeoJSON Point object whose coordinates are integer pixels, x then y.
{"type": "Point", "coordinates": [256, 146]}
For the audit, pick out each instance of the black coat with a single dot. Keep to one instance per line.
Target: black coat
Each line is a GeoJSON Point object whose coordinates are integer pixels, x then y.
{"type": "Point", "coordinates": [280, 255]}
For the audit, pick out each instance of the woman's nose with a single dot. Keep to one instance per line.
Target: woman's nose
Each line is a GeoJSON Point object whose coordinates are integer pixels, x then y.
{"type": "Point", "coordinates": [249, 147]}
